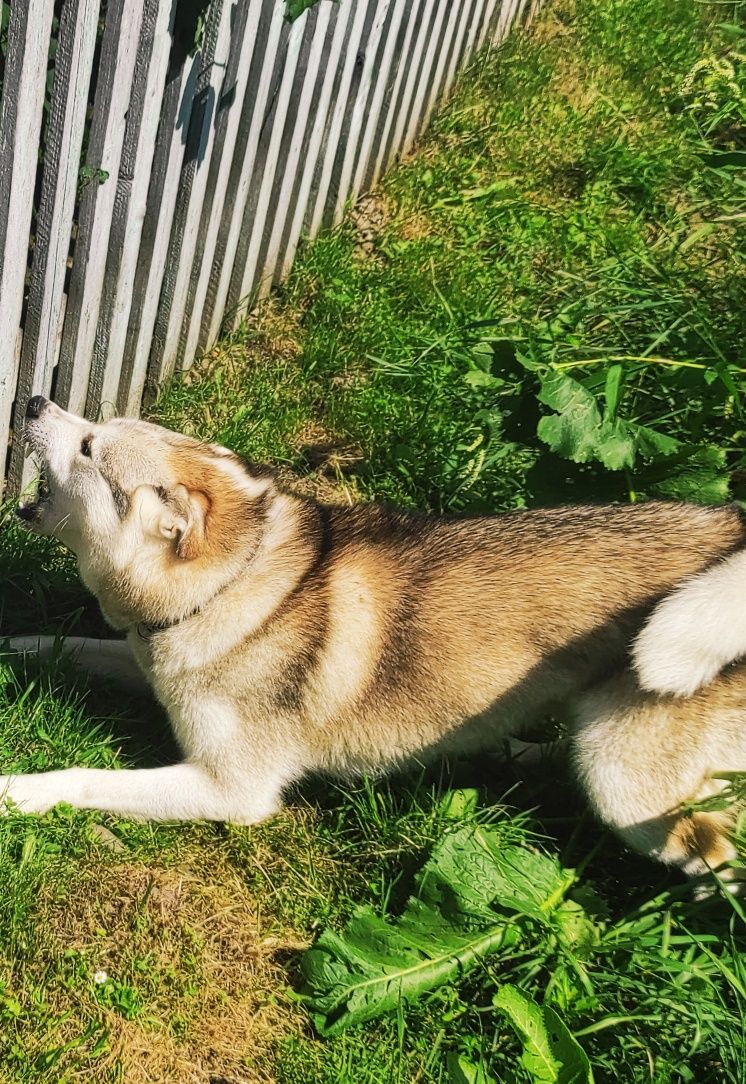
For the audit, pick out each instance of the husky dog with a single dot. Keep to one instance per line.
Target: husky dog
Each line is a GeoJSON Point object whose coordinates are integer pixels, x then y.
{"type": "Point", "coordinates": [284, 636]}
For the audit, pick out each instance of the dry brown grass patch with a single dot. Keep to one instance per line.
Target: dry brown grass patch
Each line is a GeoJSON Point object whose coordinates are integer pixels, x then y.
{"type": "Point", "coordinates": [191, 943]}
{"type": "Point", "coordinates": [368, 219]}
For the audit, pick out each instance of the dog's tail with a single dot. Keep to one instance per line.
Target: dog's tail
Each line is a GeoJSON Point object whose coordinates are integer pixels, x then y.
{"type": "Point", "coordinates": [695, 631]}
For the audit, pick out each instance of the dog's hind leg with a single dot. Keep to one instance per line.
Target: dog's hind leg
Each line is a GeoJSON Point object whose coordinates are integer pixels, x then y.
{"type": "Point", "coordinates": [647, 762]}
{"type": "Point", "coordinates": [702, 842]}
{"type": "Point", "coordinates": [109, 659]}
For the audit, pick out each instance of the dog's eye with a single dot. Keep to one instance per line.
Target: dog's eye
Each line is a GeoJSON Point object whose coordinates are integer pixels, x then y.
{"type": "Point", "coordinates": [85, 447]}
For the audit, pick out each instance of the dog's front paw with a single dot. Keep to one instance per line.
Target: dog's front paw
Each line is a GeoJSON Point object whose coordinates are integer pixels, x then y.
{"type": "Point", "coordinates": [27, 793]}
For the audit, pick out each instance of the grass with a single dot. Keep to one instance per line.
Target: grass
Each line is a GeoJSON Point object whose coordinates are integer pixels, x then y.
{"type": "Point", "coordinates": [574, 211]}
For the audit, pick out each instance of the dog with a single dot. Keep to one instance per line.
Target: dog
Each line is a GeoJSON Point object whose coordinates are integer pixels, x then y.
{"type": "Point", "coordinates": [284, 636]}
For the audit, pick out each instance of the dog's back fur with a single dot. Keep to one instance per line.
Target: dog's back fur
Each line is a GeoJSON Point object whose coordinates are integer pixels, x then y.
{"type": "Point", "coordinates": [401, 632]}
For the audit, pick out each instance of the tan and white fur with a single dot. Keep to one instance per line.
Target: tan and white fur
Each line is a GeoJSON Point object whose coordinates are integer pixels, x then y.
{"type": "Point", "coordinates": [695, 631]}
{"type": "Point", "coordinates": [284, 636]}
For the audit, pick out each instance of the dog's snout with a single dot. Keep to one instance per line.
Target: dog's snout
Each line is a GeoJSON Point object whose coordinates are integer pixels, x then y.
{"type": "Point", "coordinates": [35, 405]}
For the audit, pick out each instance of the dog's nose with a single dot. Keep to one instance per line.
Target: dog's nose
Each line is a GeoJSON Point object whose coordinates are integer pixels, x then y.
{"type": "Point", "coordinates": [35, 405]}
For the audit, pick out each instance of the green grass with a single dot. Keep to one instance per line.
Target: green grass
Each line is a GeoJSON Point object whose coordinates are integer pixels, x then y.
{"type": "Point", "coordinates": [573, 213]}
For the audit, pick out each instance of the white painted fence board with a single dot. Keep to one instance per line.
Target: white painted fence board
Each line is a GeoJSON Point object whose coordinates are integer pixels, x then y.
{"type": "Point", "coordinates": [116, 69]}
{"type": "Point", "coordinates": [428, 15]}
{"type": "Point", "coordinates": [358, 112]}
{"type": "Point", "coordinates": [455, 17]}
{"type": "Point", "coordinates": [317, 133]}
{"type": "Point", "coordinates": [156, 232]}
{"type": "Point", "coordinates": [413, 22]}
{"type": "Point", "coordinates": [496, 21]}
{"type": "Point", "coordinates": [427, 72]}
{"type": "Point", "coordinates": [476, 22]}
{"type": "Point", "coordinates": [381, 86]}
{"type": "Point", "coordinates": [283, 196]}
{"type": "Point", "coordinates": [358, 30]}
{"type": "Point", "coordinates": [258, 207]}
{"type": "Point", "coordinates": [228, 120]}
{"type": "Point", "coordinates": [42, 326]}
{"type": "Point", "coordinates": [272, 157]}
{"type": "Point", "coordinates": [130, 205]}
{"type": "Point", "coordinates": [456, 50]}
{"type": "Point", "coordinates": [193, 185]}
{"type": "Point", "coordinates": [260, 92]}
{"type": "Point", "coordinates": [20, 127]}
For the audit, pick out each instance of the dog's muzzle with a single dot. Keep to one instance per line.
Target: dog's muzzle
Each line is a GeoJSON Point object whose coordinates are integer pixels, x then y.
{"type": "Point", "coordinates": [29, 511]}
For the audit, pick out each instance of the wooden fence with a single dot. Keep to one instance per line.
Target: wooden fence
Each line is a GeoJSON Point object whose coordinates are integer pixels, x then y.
{"type": "Point", "coordinates": [161, 159]}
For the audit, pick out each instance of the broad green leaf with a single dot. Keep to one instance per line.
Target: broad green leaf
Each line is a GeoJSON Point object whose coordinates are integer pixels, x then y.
{"type": "Point", "coordinates": [473, 898]}
{"type": "Point", "coordinates": [655, 445]}
{"type": "Point", "coordinates": [295, 8]}
{"type": "Point", "coordinates": [695, 475]}
{"type": "Point", "coordinates": [457, 804]}
{"type": "Point", "coordinates": [576, 929]}
{"type": "Point", "coordinates": [579, 433]}
{"type": "Point", "coordinates": [571, 437]}
{"type": "Point", "coordinates": [613, 390]}
{"type": "Point", "coordinates": [462, 1070]}
{"type": "Point", "coordinates": [483, 355]}
{"type": "Point", "coordinates": [576, 1066]}
{"type": "Point", "coordinates": [551, 1053]}
{"type": "Point", "coordinates": [477, 378]}
{"type": "Point", "coordinates": [615, 444]}
{"type": "Point", "coordinates": [568, 396]}
{"type": "Point", "coordinates": [571, 432]}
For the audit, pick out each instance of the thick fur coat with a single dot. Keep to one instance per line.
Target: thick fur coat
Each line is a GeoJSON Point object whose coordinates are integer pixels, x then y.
{"type": "Point", "coordinates": [284, 636]}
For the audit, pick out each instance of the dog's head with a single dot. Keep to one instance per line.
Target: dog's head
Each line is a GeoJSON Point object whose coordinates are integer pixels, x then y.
{"type": "Point", "coordinates": [138, 503]}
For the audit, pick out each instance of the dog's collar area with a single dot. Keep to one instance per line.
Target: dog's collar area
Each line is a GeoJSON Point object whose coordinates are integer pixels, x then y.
{"type": "Point", "coordinates": [145, 630]}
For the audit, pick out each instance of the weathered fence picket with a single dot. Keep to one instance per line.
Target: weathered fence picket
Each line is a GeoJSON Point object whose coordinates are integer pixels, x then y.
{"type": "Point", "coordinates": [20, 126]}
{"type": "Point", "coordinates": [44, 308]}
{"type": "Point", "coordinates": [157, 174]}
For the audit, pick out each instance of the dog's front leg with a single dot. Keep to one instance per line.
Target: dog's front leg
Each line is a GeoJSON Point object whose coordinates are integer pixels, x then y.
{"type": "Point", "coordinates": [186, 791]}
{"type": "Point", "coordinates": [109, 659]}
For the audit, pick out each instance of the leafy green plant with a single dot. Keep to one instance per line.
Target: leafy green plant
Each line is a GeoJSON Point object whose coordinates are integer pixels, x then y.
{"type": "Point", "coordinates": [594, 417]}
{"type": "Point", "coordinates": [295, 8]}
{"type": "Point", "coordinates": [551, 1054]}
{"type": "Point", "coordinates": [90, 175]}
{"type": "Point", "coordinates": [470, 901]}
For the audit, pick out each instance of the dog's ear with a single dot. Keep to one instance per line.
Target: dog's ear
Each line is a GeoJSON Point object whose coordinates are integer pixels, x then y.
{"type": "Point", "coordinates": [177, 514]}
{"type": "Point", "coordinates": [188, 522]}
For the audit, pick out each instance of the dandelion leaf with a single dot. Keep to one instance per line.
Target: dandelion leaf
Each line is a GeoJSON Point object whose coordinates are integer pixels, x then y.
{"type": "Point", "coordinates": [551, 1054]}
{"type": "Point", "coordinates": [577, 431]}
{"type": "Point", "coordinates": [471, 900]}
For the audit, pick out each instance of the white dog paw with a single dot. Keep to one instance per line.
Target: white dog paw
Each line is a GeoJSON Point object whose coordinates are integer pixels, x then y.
{"type": "Point", "coordinates": [26, 794]}
{"type": "Point", "coordinates": [695, 631]}
{"type": "Point", "coordinates": [673, 663]}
